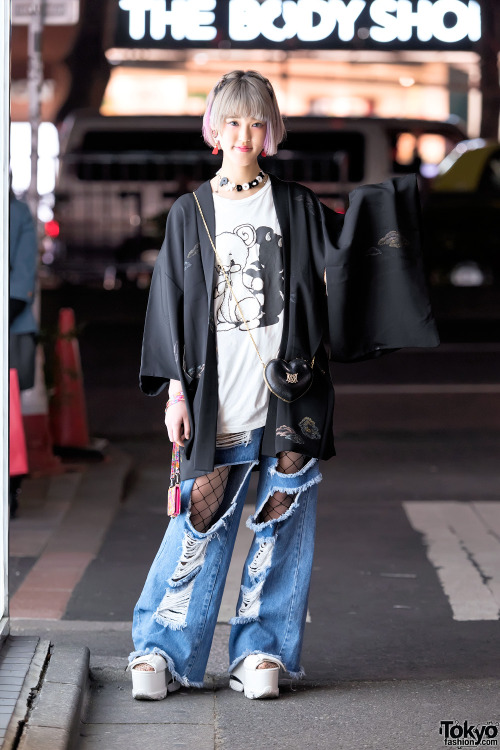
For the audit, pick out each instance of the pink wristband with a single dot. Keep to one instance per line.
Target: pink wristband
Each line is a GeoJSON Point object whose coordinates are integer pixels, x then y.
{"type": "Point", "coordinates": [175, 399]}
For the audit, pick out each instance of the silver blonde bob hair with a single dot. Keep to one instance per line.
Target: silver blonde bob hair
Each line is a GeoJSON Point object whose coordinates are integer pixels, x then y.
{"type": "Point", "coordinates": [244, 94]}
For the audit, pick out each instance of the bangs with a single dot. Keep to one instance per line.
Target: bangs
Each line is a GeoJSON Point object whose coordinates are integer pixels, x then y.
{"type": "Point", "coordinates": [240, 101]}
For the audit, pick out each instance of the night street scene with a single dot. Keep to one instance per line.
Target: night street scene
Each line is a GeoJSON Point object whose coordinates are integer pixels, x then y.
{"type": "Point", "coordinates": [251, 374]}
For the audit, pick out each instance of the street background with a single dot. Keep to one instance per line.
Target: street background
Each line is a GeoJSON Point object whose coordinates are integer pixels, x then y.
{"type": "Point", "coordinates": [402, 634]}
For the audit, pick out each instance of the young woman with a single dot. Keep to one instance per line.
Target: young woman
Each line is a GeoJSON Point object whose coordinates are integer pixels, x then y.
{"type": "Point", "coordinates": [253, 282]}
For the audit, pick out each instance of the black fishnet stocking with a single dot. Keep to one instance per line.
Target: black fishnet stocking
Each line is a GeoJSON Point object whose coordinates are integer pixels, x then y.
{"type": "Point", "coordinates": [288, 463]}
{"type": "Point", "coordinates": [206, 497]}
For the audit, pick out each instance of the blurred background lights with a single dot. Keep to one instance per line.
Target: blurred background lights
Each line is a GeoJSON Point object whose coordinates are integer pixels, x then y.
{"type": "Point", "coordinates": [20, 157]}
{"type": "Point", "coordinates": [201, 58]}
{"type": "Point", "coordinates": [151, 92]}
{"type": "Point", "coordinates": [406, 81]}
{"type": "Point", "coordinates": [467, 274]}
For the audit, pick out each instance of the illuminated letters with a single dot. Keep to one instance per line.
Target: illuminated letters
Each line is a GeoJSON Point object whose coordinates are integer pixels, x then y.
{"type": "Point", "coordinates": [396, 19]}
{"type": "Point", "coordinates": [305, 30]}
{"type": "Point", "coordinates": [188, 19]}
{"type": "Point", "coordinates": [269, 12]}
{"type": "Point", "coordinates": [137, 17]}
{"type": "Point", "coordinates": [347, 15]}
{"type": "Point", "coordinates": [307, 21]}
{"type": "Point", "coordinates": [248, 19]}
{"type": "Point", "coordinates": [468, 21]}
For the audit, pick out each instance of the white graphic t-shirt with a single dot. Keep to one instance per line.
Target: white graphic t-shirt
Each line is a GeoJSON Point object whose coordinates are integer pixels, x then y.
{"type": "Point", "coordinates": [249, 245]}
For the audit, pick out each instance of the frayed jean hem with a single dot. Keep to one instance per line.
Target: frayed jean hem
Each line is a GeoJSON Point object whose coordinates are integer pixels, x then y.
{"type": "Point", "coordinates": [273, 470]}
{"type": "Point", "coordinates": [294, 675]}
{"type": "Point", "coordinates": [242, 620]}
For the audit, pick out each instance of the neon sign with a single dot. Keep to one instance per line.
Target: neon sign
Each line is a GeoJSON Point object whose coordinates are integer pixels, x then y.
{"type": "Point", "coordinates": [298, 23]}
{"type": "Point", "coordinates": [187, 19]}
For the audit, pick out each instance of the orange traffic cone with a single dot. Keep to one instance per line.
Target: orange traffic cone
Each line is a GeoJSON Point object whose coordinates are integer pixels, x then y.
{"type": "Point", "coordinates": [35, 410]}
{"type": "Point", "coordinates": [68, 414]}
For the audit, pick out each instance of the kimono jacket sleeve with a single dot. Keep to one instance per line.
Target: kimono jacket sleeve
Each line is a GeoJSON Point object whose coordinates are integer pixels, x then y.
{"type": "Point", "coordinates": [163, 328]}
{"type": "Point", "coordinates": [377, 296]}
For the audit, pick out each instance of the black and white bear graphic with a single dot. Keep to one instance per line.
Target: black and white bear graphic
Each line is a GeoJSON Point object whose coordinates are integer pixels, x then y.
{"type": "Point", "coordinates": [234, 248]}
{"type": "Point", "coordinates": [254, 266]}
{"type": "Point", "coordinates": [267, 274]}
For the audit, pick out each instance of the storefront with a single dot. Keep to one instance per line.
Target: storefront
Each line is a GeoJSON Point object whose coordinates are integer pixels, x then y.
{"type": "Point", "coordinates": [329, 57]}
{"type": "Point", "coordinates": [382, 58]}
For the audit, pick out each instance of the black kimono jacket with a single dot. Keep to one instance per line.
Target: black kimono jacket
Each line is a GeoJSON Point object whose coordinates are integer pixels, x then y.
{"type": "Point", "coordinates": [375, 301]}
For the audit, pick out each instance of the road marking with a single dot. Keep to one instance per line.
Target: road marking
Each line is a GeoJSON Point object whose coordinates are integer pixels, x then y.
{"type": "Point", "coordinates": [463, 544]}
{"type": "Point", "coordinates": [411, 388]}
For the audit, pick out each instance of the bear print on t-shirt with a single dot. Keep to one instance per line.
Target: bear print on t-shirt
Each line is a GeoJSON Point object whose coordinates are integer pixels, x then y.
{"type": "Point", "coordinates": [253, 262]}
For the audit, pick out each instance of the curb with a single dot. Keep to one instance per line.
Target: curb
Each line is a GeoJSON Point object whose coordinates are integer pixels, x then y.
{"type": "Point", "coordinates": [16, 649]}
{"type": "Point", "coordinates": [54, 718]}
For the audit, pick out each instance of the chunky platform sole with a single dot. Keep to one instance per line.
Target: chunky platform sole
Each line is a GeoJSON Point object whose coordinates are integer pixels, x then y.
{"type": "Point", "coordinates": [151, 685]}
{"type": "Point", "coordinates": [256, 683]}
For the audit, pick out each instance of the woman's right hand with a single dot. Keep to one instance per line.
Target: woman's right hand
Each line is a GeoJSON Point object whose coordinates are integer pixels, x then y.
{"type": "Point", "coordinates": [177, 423]}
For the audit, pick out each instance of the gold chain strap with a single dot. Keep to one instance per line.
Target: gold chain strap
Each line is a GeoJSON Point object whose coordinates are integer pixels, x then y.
{"type": "Point", "coordinates": [230, 287]}
{"type": "Point", "coordinates": [228, 282]}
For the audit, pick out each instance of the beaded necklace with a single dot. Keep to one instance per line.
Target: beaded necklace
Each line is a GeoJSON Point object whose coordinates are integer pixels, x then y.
{"type": "Point", "coordinates": [226, 183]}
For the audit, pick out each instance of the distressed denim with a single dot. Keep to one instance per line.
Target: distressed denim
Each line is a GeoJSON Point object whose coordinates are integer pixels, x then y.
{"type": "Point", "coordinates": [177, 610]}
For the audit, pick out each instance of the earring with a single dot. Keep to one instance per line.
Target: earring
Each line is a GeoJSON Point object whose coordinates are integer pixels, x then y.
{"type": "Point", "coordinates": [263, 153]}
{"type": "Point", "coordinates": [215, 150]}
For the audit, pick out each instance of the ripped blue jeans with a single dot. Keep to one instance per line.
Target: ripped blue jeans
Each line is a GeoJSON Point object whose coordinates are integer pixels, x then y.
{"type": "Point", "coordinates": [177, 610]}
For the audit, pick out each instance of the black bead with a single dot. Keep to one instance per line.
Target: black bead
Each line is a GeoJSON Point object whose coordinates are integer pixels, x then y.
{"type": "Point", "coordinates": [239, 188]}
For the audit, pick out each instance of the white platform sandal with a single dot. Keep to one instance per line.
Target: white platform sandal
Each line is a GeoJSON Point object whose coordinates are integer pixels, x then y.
{"type": "Point", "coordinates": [151, 685]}
{"type": "Point", "coordinates": [256, 683]}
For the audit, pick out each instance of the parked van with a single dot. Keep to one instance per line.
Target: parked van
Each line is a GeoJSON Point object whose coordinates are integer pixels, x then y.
{"type": "Point", "coordinates": [119, 176]}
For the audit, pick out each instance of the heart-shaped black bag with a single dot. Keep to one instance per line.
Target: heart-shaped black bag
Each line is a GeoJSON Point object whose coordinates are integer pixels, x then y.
{"type": "Point", "coordinates": [288, 380]}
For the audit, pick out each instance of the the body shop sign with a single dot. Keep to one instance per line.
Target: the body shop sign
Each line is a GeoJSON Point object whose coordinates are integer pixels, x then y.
{"type": "Point", "coordinates": [295, 24]}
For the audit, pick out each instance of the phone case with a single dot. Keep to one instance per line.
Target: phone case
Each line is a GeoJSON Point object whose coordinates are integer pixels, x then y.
{"type": "Point", "coordinates": [174, 490]}
{"type": "Point", "coordinates": [174, 501]}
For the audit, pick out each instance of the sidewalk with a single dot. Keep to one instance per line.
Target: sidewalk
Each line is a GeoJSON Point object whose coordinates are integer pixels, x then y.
{"type": "Point", "coordinates": [386, 663]}
{"type": "Point", "coordinates": [59, 529]}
